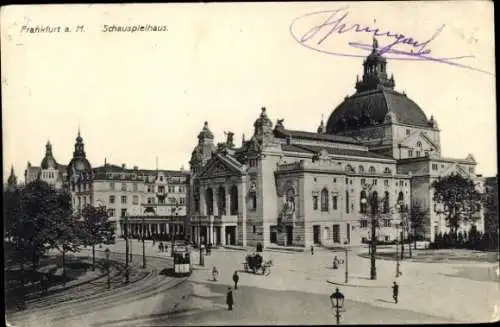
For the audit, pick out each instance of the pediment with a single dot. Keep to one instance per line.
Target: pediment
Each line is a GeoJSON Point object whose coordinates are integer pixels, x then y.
{"type": "Point", "coordinates": [217, 167]}
{"type": "Point", "coordinates": [412, 140]}
{"type": "Point", "coordinates": [455, 169]}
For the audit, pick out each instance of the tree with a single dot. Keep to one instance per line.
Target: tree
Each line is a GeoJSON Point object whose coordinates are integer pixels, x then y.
{"type": "Point", "coordinates": [35, 218]}
{"type": "Point", "coordinates": [418, 216]}
{"type": "Point", "coordinates": [456, 199]}
{"type": "Point", "coordinates": [97, 227]}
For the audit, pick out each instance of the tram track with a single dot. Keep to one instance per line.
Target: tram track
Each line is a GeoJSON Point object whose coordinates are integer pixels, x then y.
{"type": "Point", "coordinates": [81, 302]}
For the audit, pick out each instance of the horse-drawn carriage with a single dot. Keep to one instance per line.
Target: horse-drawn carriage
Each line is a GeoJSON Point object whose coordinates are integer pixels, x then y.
{"type": "Point", "coordinates": [255, 263]}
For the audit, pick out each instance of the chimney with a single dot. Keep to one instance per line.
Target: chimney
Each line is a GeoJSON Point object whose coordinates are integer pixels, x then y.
{"type": "Point", "coordinates": [123, 166]}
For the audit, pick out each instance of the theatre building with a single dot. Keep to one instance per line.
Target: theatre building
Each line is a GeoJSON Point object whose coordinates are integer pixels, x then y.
{"type": "Point", "coordinates": [299, 188]}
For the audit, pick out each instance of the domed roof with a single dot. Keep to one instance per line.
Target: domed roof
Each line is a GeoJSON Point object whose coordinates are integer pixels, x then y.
{"type": "Point", "coordinates": [375, 107]}
{"type": "Point", "coordinates": [263, 120]}
{"type": "Point", "coordinates": [48, 161]}
{"type": "Point", "coordinates": [79, 165]}
{"type": "Point", "coordinates": [205, 132]}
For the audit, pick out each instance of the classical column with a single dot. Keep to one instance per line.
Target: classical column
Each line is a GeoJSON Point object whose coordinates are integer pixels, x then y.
{"type": "Point", "coordinates": [228, 199]}
{"type": "Point", "coordinates": [215, 193]}
{"type": "Point", "coordinates": [242, 210]}
{"type": "Point", "coordinates": [203, 205]}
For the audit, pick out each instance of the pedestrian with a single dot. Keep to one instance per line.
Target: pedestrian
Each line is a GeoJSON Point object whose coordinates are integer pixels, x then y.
{"type": "Point", "coordinates": [395, 291]}
{"type": "Point", "coordinates": [335, 262]}
{"type": "Point", "coordinates": [312, 250]}
{"type": "Point", "coordinates": [215, 273]}
{"type": "Point", "coordinates": [236, 278]}
{"type": "Point", "coordinates": [229, 299]}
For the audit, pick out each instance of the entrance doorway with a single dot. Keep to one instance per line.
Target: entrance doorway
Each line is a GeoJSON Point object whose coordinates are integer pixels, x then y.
{"type": "Point", "coordinates": [289, 235]}
{"type": "Point", "coordinates": [273, 235]}
{"type": "Point", "coordinates": [217, 235]}
{"type": "Point", "coordinates": [316, 231]}
{"type": "Point", "coordinates": [231, 235]}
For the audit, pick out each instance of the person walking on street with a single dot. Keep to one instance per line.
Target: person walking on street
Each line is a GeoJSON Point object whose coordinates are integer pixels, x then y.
{"type": "Point", "coordinates": [229, 299]}
{"type": "Point", "coordinates": [215, 273]}
{"type": "Point", "coordinates": [236, 278]}
{"type": "Point", "coordinates": [395, 291]}
{"type": "Point", "coordinates": [312, 250]}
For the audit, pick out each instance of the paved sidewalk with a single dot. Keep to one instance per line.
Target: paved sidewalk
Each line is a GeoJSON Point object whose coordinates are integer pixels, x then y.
{"type": "Point", "coordinates": [424, 287]}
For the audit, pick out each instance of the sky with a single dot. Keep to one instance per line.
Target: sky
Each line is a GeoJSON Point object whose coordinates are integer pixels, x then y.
{"type": "Point", "coordinates": [140, 95]}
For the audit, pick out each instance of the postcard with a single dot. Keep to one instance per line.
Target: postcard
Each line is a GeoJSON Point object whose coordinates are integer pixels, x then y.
{"type": "Point", "coordinates": [250, 163]}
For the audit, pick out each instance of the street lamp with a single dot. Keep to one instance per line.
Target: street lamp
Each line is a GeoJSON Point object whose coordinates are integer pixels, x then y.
{"type": "Point", "coordinates": [346, 266]}
{"type": "Point", "coordinates": [397, 258]}
{"type": "Point", "coordinates": [125, 227]}
{"type": "Point", "coordinates": [202, 260]}
{"type": "Point", "coordinates": [143, 246]}
{"type": "Point", "coordinates": [107, 265]}
{"type": "Point", "coordinates": [373, 243]}
{"type": "Point", "coordinates": [337, 300]}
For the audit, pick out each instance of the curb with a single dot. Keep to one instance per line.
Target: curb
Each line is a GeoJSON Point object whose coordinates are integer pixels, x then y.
{"type": "Point", "coordinates": [356, 285]}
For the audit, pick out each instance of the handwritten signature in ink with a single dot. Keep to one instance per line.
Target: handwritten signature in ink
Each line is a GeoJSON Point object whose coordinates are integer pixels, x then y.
{"type": "Point", "coordinates": [317, 37]}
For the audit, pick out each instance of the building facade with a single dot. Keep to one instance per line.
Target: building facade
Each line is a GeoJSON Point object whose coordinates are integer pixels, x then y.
{"type": "Point", "coordinates": [151, 200]}
{"type": "Point", "coordinates": [301, 188]}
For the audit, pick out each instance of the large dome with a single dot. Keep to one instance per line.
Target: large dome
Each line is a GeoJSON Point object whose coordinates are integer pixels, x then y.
{"type": "Point", "coordinates": [79, 165]}
{"type": "Point", "coordinates": [374, 107]}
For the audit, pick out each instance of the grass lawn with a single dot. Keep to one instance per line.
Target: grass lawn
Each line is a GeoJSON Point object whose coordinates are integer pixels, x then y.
{"type": "Point", "coordinates": [440, 255]}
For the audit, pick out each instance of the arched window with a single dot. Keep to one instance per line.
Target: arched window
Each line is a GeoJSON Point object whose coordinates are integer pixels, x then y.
{"type": "Point", "coordinates": [209, 200]}
{"type": "Point", "coordinates": [386, 202]}
{"type": "Point", "coordinates": [361, 169]}
{"type": "Point", "coordinates": [371, 170]}
{"type": "Point", "coordinates": [347, 201]}
{"type": "Point", "coordinates": [419, 144]}
{"type": "Point", "coordinates": [362, 202]}
{"type": "Point", "coordinates": [349, 169]}
{"type": "Point", "coordinates": [324, 200]}
{"type": "Point", "coordinates": [253, 201]}
{"type": "Point", "coordinates": [387, 170]}
{"type": "Point", "coordinates": [234, 200]}
{"type": "Point", "coordinates": [374, 202]}
{"type": "Point", "coordinates": [221, 200]}
{"type": "Point", "coordinates": [401, 198]}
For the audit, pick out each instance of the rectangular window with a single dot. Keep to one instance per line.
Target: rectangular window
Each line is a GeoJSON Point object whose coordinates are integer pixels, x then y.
{"type": "Point", "coordinates": [182, 201]}
{"type": "Point", "coordinates": [407, 132]}
{"type": "Point", "coordinates": [347, 180]}
{"type": "Point", "coordinates": [111, 212]}
{"type": "Point", "coordinates": [253, 229]}
{"type": "Point", "coordinates": [112, 186]}
{"type": "Point", "coordinates": [410, 153]}
{"type": "Point", "coordinates": [161, 189]}
{"type": "Point", "coordinates": [363, 223]}
{"type": "Point", "coordinates": [135, 199]}
{"type": "Point", "coordinates": [315, 202]}
{"type": "Point", "coordinates": [386, 182]}
{"type": "Point", "coordinates": [336, 233]}
{"type": "Point", "coordinates": [347, 201]}
{"type": "Point", "coordinates": [374, 182]}
{"type": "Point", "coordinates": [418, 154]}
{"type": "Point", "coordinates": [135, 187]}
{"type": "Point", "coordinates": [124, 187]}
{"type": "Point", "coordinates": [335, 180]}
{"type": "Point", "coordinates": [434, 167]}
{"type": "Point", "coordinates": [363, 181]}
{"type": "Point", "coordinates": [161, 200]}
{"type": "Point", "coordinates": [334, 202]}
{"type": "Point", "coordinates": [387, 223]}
{"type": "Point", "coordinates": [124, 199]}
{"type": "Point", "coordinates": [123, 212]}
{"type": "Point", "coordinates": [111, 199]}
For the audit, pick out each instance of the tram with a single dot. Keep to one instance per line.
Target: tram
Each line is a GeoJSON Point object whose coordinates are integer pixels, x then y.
{"type": "Point", "coordinates": [182, 260]}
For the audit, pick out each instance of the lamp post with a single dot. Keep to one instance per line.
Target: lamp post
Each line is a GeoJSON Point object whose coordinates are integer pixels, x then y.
{"type": "Point", "coordinates": [125, 227]}
{"type": "Point", "coordinates": [373, 244]}
{"type": "Point", "coordinates": [202, 260]}
{"type": "Point", "coordinates": [397, 259]}
{"type": "Point", "coordinates": [143, 245]}
{"type": "Point", "coordinates": [107, 265]}
{"type": "Point", "coordinates": [346, 266]}
{"type": "Point", "coordinates": [337, 300]}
